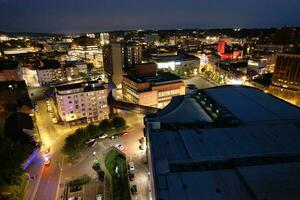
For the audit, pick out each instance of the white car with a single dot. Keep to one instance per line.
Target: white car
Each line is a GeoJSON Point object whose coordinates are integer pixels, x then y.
{"type": "Point", "coordinates": [90, 141]}
{"type": "Point", "coordinates": [103, 136]}
{"type": "Point", "coordinates": [99, 197]}
{"type": "Point", "coordinates": [120, 147]}
{"type": "Point", "coordinates": [131, 166]}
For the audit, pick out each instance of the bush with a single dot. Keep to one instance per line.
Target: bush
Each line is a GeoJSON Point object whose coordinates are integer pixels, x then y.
{"type": "Point", "coordinates": [79, 181]}
{"type": "Point", "coordinates": [105, 126]}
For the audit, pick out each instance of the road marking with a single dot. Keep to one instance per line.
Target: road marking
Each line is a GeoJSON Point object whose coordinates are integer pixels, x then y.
{"type": "Point", "coordinates": [37, 184]}
{"type": "Point", "coordinates": [60, 175]}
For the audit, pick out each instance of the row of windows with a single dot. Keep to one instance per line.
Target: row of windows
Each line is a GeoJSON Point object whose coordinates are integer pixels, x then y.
{"type": "Point", "coordinates": [168, 93]}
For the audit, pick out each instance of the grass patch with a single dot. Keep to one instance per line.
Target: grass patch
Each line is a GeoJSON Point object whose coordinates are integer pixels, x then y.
{"type": "Point", "coordinates": [120, 180]}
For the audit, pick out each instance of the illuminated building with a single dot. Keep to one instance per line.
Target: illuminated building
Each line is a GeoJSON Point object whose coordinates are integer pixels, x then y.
{"type": "Point", "coordinates": [286, 78]}
{"type": "Point", "coordinates": [132, 54]}
{"type": "Point", "coordinates": [3, 38]}
{"type": "Point", "coordinates": [14, 51]}
{"type": "Point", "coordinates": [232, 72]}
{"type": "Point", "coordinates": [9, 71]}
{"type": "Point", "coordinates": [74, 69]}
{"type": "Point", "coordinates": [177, 62]}
{"type": "Point", "coordinates": [113, 58]}
{"type": "Point", "coordinates": [49, 72]}
{"type": "Point", "coordinates": [221, 46]}
{"type": "Point", "coordinates": [287, 71]}
{"type": "Point", "coordinates": [82, 102]}
{"type": "Point", "coordinates": [152, 39]}
{"type": "Point", "coordinates": [29, 75]}
{"type": "Point", "coordinates": [146, 87]}
{"type": "Point", "coordinates": [104, 39]}
{"type": "Point", "coordinates": [269, 48]}
{"type": "Point", "coordinates": [224, 54]}
{"type": "Point", "coordinates": [229, 142]}
{"type": "Point", "coordinates": [261, 65]}
{"type": "Point", "coordinates": [87, 49]}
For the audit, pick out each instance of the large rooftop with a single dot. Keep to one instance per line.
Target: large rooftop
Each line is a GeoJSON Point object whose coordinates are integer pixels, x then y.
{"type": "Point", "coordinates": [160, 77]}
{"type": "Point", "coordinates": [83, 86]}
{"type": "Point", "coordinates": [177, 58]}
{"type": "Point", "coordinates": [251, 105]}
{"type": "Point", "coordinates": [257, 158]}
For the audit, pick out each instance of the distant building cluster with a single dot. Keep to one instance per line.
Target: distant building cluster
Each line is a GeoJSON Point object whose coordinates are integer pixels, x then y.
{"type": "Point", "coordinates": [263, 58]}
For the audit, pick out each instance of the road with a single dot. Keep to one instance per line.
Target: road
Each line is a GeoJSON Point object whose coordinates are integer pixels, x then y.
{"type": "Point", "coordinates": [44, 181]}
{"type": "Point", "coordinates": [200, 82]}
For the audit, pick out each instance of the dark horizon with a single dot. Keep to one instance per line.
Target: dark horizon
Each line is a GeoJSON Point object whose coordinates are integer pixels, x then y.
{"type": "Point", "coordinates": [95, 16]}
{"type": "Point", "coordinates": [150, 30]}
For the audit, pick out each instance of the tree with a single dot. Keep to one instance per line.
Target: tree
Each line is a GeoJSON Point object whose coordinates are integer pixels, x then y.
{"type": "Point", "coordinates": [105, 126]}
{"type": "Point", "coordinates": [119, 123]}
{"type": "Point", "coordinates": [92, 130]}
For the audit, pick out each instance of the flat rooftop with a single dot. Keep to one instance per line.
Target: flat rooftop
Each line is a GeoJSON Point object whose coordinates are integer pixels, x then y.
{"type": "Point", "coordinates": [258, 158]}
{"type": "Point", "coordinates": [160, 77]}
{"type": "Point", "coordinates": [272, 181]}
{"type": "Point", "coordinates": [177, 58]}
{"type": "Point", "coordinates": [251, 105]}
{"type": "Point", "coordinates": [85, 86]}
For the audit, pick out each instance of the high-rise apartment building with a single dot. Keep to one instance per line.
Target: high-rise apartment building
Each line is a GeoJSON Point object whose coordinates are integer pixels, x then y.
{"type": "Point", "coordinates": [113, 58]}
{"type": "Point", "coordinates": [104, 39]}
{"type": "Point", "coordinates": [287, 71]}
{"type": "Point", "coordinates": [132, 55]}
{"type": "Point", "coordinates": [82, 102]}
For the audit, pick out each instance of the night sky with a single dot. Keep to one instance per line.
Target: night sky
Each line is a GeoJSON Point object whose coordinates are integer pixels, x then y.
{"type": "Point", "coordinates": [102, 15]}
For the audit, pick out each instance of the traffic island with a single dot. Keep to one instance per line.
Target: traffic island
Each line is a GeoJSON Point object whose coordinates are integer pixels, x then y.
{"type": "Point", "coordinates": [115, 163]}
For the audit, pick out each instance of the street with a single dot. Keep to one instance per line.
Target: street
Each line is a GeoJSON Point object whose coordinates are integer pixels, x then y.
{"type": "Point", "coordinates": [200, 82]}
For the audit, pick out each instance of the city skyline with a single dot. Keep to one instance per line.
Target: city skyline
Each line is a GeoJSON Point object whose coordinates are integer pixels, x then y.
{"type": "Point", "coordinates": [74, 17]}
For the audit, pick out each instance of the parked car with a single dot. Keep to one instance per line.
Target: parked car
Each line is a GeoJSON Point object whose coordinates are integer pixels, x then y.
{"type": "Point", "coordinates": [131, 176]}
{"type": "Point", "coordinates": [114, 137]}
{"type": "Point", "coordinates": [120, 147]}
{"type": "Point", "coordinates": [131, 166]}
{"type": "Point", "coordinates": [123, 133]}
{"type": "Point", "coordinates": [142, 147]}
{"type": "Point", "coordinates": [90, 142]}
{"type": "Point", "coordinates": [142, 140]}
{"type": "Point", "coordinates": [103, 136]}
{"type": "Point", "coordinates": [99, 197]}
{"type": "Point", "coordinates": [133, 189]}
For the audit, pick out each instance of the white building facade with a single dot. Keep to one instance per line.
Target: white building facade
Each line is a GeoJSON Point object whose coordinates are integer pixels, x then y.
{"type": "Point", "coordinates": [82, 102]}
